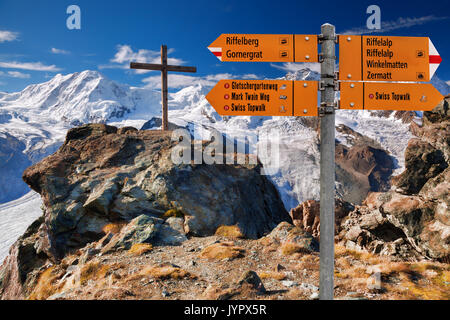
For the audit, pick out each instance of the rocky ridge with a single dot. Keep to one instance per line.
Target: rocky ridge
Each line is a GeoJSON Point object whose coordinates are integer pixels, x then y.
{"type": "Point", "coordinates": [412, 220]}
{"type": "Point", "coordinates": [362, 166]}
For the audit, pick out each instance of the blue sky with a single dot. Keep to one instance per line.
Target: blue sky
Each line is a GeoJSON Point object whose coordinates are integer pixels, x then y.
{"type": "Point", "coordinates": [35, 43]}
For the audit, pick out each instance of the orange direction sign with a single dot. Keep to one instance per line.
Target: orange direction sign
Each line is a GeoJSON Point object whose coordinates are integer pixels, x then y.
{"type": "Point", "coordinates": [386, 58]}
{"type": "Point", "coordinates": [389, 96]}
{"type": "Point", "coordinates": [264, 98]}
{"type": "Point", "coordinates": [265, 48]}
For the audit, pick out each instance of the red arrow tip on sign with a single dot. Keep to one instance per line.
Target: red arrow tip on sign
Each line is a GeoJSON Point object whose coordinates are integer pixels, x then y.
{"type": "Point", "coordinates": [435, 58]}
{"type": "Point", "coordinates": [217, 52]}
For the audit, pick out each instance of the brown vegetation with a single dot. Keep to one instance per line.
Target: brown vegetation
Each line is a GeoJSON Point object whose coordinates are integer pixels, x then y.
{"type": "Point", "coordinates": [47, 284]}
{"type": "Point", "coordinates": [177, 213]}
{"type": "Point", "coordinates": [166, 272]}
{"type": "Point", "coordinates": [93, 271]}
{"type": "Point", "coordinates": [221, 251]}
{"type": "Point", "coordinates": [289, 248]}
{"type": "Point", "coordinates": [272, 275]}
{"type": "Point", "coordinates": [113, 228]}
{"type": "Point", "coordinates": [232, 232]}
{"type": "Point", "coordinates": [139, 249]}
{"type": "Point", "coordinates": [216, 276]}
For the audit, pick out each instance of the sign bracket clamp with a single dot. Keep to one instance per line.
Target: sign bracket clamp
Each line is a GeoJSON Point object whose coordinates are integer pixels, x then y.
{"type": "Point", "coordinates": [324, 83]}
{"type": "Point", "coordinates": [320, 55]}
{"type": "Point", "coordinates": [321, 38]}
{"type": "Point", "coordinates": [328, 108]}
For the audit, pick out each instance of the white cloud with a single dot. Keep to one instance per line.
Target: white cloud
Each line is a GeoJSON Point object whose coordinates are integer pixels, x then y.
{"type": "Point", "coordinates": [59, 51]}
{"type": "Point", "coordinates": [400, 23]}
{"type": "Point", "coordinates": [292, 67]}
{"type": "Point", "coordinates": [179, 80]}
{"type": "Point", "coordinates": [448, 82]}
{"type": "Point", "coordinates": [250, 76]}
{"type": "Point", "coordinates": [34, 66]}
{"type": "Point", "coordinates": [17, 74]}
{"type": "Point", "coordinates": [8, 36]}
{"type": "Point", "coordinates": [125, 55]}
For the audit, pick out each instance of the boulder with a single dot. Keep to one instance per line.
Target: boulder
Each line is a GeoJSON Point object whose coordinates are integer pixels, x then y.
{"type": "Point", "coordinates": [406, 227]}
{"type": "Point", "coordinates": [142, 229]}
{"type": "Point", "coordinates": [253, 281]}
{"type": "Point", "coordinates": [148, 229]}
{"type": "Point", "coordinates": [287, 233]}
{"type": "Point", "coordinates": [103, 177]}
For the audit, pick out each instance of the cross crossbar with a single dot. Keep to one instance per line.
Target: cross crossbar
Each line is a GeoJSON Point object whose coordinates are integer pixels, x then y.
{"type": "Point", "coordinates": [164, 68]}
{"type": "Point", "coordinates": [159, 67]}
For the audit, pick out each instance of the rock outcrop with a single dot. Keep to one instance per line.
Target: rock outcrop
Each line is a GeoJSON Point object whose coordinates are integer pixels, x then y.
{"type": "Point", "coordinates": [288, 234]}
{"type": "Point", "coordinates": [362, 166]}
{"type": "Point", "coordinates": [423, 162]}
{"type": "Point", "coordinates": [103, 178]}
{"type": "Point", "coordinates": [307, 215]}
{"type": "Point", "coordinates": [412, 220]}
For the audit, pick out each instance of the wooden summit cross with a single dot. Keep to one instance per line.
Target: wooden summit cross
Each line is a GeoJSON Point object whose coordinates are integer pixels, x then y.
{"type": "Point", "coordinates": [164, 68]}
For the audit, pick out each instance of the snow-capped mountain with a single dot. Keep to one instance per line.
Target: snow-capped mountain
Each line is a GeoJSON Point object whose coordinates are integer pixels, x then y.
{"type": "Point", "coordinates": [442, 86]}
{"type": "Point", "coordinates": [77, 98]}
{"type": "Point", "coordinates": [36, 119]}
{"type": "Point", "coordinates": [46, 110]}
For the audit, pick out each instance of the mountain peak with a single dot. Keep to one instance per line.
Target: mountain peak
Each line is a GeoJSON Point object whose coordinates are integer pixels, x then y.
{"type": "Point", "coordinates": [89, 74]}
{"type": "Point", "coordinates": [76, 98]}
{"type": "Point", "coordinates": [86, 74]}
{"type": "Point", "coordinates": [304, 73]}
{"type": "Point", "coordinates": [442, 86]}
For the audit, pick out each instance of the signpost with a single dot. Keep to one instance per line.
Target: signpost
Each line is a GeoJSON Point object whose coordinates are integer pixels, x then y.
{"type": "Point", "coordinates": [371, 58]}
{"type": "Point", "coordinates": [265, 48]}
{"type": "Point", "coordinates": [389, 96]}
{"type": "Point", "coordinates": [365, 62]}
{"type": "Point", "coordinates": [264, 98]}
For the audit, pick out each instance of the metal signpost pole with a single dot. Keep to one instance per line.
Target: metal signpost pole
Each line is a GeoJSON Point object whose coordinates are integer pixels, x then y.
{"type": "Point", "coordinates": [327, 154]}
